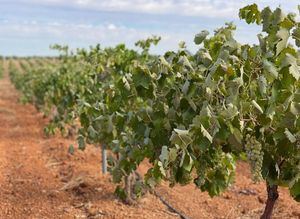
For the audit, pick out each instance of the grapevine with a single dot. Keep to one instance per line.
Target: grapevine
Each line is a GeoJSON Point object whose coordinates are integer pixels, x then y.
{"type": "Point", "coordinates": [189, 115]}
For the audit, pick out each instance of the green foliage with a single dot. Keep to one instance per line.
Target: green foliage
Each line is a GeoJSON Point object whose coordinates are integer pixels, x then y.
{"type": "Point", "coordinates": [274, 127]}
{"type": "Point", "coordinates": [250, 14]}
{"type": "Point", "coordinates": [200, 37]}
{"type": "Point", "coordinates": [189, 115]}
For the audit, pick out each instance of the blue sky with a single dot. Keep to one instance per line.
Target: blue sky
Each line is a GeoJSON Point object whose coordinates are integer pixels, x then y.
{"type": "Point", "coordinates": [28, 27]}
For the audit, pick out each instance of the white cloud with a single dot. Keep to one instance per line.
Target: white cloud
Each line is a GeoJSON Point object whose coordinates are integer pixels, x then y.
{"type": "Point", "coordinates": [83, 35]}
{"type": "Point", "coordinates": [64, 30]}
{"type": "Point", "coordinates": [38, 30]}
{"type": "Point", "coordinates": [206, 8]}
{"type": "Point", "coordinates": [111, 27]}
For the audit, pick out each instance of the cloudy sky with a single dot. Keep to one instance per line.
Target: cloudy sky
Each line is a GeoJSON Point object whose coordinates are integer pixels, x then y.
{"type": "Point", "coordinates": [28, 27]}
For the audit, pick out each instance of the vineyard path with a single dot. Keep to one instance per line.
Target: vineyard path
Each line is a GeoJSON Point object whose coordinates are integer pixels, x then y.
{"type": "Point", "coordinates": [25, 182]}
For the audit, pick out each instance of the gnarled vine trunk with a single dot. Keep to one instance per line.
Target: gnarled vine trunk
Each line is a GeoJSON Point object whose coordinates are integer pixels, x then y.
{"type": "Point", "coordinates": [130, 182]}
{"type": "Point", "coordinates": [272, 197]}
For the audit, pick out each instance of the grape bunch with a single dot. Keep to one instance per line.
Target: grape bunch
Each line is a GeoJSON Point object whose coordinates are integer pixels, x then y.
{"type": "Point", "coordinates": [255, 156]}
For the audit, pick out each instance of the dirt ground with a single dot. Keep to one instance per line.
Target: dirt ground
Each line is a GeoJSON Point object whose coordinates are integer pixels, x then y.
{"type": "Point", "coordinates": [36, 172]}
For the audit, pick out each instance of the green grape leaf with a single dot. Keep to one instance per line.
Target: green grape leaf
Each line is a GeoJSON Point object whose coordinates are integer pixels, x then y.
{"type": "Point", "coordinates": [206, 134]}
{"type": "Point", "coordinates": [173, 154]}
{"type": "Point", "coordinates": [187, 163]}
{"type": "Point", "coordinates": [161, 168]}
{"type": "Point", "coordinates": [192, 104]}
{"type": "Point", "coordinates": [278, 16]}
{"type": "Point", "coordinates": [291, 61]}
{"type": "Point", "coordinates": [81, 142]}
{"type": "Point", "coordinates": [71, 149]}
{"type": "Point", "coordinates": [230, 111]}
{"type": "Point", "coordinates": [200, 37]}
{"type": "Point", "coordinates": [164, 62]}
{"type": "Point", "coordinates": [270, 112]}
{"type": "Point", "coordinates": [295, 108]}
{"type": "Point", "coordinates": [296, 36]}
{"type": "Point", "coordinates": [295, 190]}
{"type": "Point", "coordinates": [184, 60]}
{"type": "Point", "coordinates": [262, 82]}
{"type": "Point", "coordinates": [266, 16]}
{"type": "Point", "coordinates": [283, 36]}
{"type": "Point", "coordinates": [164, 155]}
{"type": "Point", "coordinates": [181, 138]}
{"type": "Point", "coordinates": [142, 78]}
{"type": "Point", "coordinates": [287, 23]}
{"type": "Point", "coordinates": [185, 87]}
{"type": "Point", "coordinates": [205, 58]}
{"type": "Point", "coordinates": [290, 136]}
{"type": "Point", "coordinates": [295, 71]}
{"type": "Point", "coordinates": [92, 132]}
{"type": "Point", "coordinates": [235, 139]}
{"type": "Point", "coordinates": [250, 13]}
{"type": "Point", "coordinates": [270, 68]}
{"type": "Point", "coordinates": [126, 83]}
{"type": "Point", "coordinates": [262, 42]}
